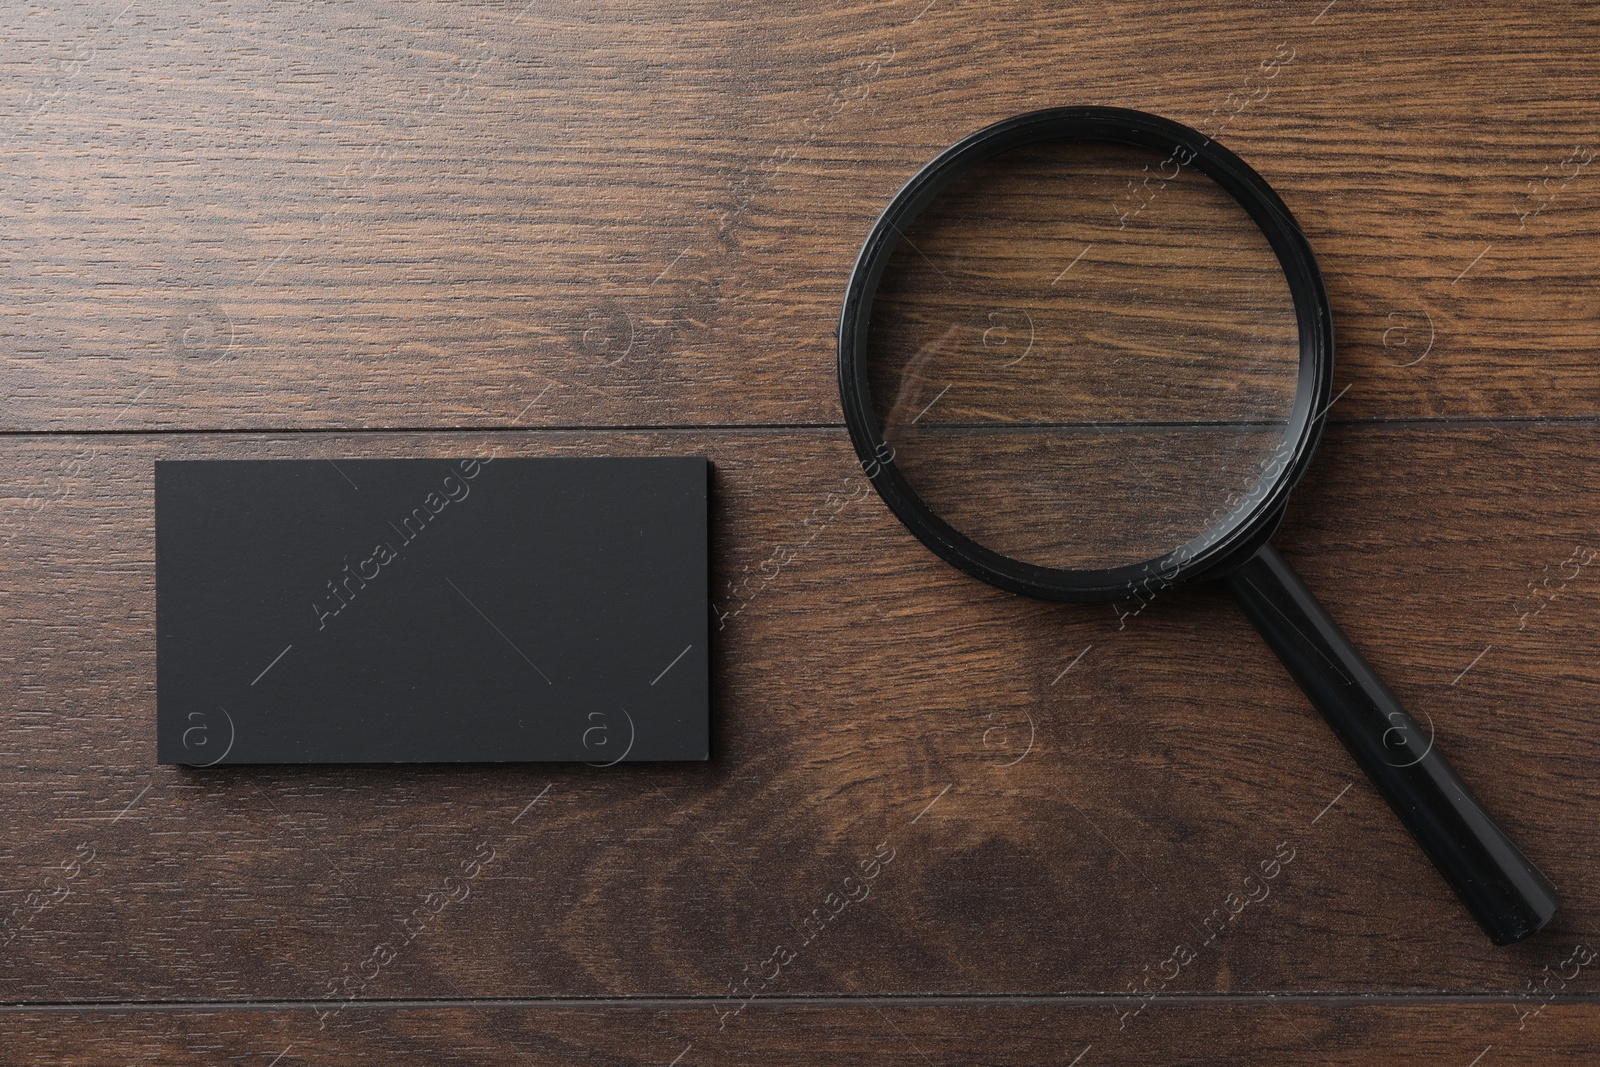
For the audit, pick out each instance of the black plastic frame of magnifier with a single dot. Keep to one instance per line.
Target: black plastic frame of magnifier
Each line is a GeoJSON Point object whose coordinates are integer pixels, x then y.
{"type": "Point", "coordinates": [1504, 892]}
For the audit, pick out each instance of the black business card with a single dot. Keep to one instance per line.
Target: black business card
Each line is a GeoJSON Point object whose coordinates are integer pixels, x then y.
{"type": "Point", "coordinates": [431, 610]}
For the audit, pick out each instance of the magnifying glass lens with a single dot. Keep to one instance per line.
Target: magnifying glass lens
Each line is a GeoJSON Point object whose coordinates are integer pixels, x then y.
{"type": "Point", "coordinates": [1084, 356]}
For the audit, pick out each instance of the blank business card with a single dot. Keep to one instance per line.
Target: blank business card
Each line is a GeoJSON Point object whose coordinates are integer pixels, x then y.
{"type": "Point", "coordinates": [432, 610]}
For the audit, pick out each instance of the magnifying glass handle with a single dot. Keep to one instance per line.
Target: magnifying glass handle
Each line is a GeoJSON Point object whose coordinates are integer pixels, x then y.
{"type": "Point", "coordinates": [1503, 891]}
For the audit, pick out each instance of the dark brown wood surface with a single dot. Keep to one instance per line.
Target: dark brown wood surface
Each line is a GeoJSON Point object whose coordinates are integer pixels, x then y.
{"type": "Point", "coordinates": [1288, 1032]}
{"type": "Point", "coordinates": [942, 824]}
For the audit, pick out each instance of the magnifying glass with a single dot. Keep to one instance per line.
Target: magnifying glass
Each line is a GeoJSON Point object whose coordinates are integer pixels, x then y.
{"type": "Point", "coordinates": [1084, 355]}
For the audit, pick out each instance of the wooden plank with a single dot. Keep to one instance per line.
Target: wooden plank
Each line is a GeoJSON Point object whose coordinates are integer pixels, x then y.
{"type": "Point", "coordinates": [217, 215]}
{"type": "Point", "coordinates": [920, 785]}
{"type": "Point", "coordinates": [1035, 289]}
{"type": "Point", "coordinates": [1048, 1034]}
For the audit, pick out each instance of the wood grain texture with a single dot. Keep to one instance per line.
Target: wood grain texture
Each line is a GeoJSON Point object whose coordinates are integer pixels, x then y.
{"type": "Point", "coordinates": [1039, 287]}
{"type": "Point", "coordinates": [1086, 497]}
{"type": "Point", "coordinates": [941, 824]}
{"type": "Point", "coordinates": [1067, 793]}
{"type": "Point", "coordinates": [1286, 1034]}
{"type": "Point", "coordinates": [414, 214]}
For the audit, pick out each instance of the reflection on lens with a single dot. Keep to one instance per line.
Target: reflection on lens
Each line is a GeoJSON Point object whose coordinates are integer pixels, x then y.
{"type": "Point", "coordinates": [1084, 356]}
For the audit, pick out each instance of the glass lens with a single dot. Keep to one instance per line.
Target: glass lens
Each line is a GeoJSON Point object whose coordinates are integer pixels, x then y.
{"type": "Point", "coordinates": [1085, 356]}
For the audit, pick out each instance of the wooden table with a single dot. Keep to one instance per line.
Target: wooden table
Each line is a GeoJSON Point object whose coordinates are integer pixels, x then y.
{"type": "Point", "coordinates": [247, 229]}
